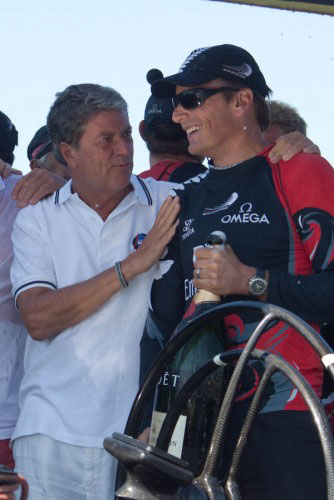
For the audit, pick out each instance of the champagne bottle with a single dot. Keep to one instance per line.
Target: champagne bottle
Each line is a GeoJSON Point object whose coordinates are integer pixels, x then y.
{"type": "Point", "coordinates": [164, 395]}
{"type": "Point", "coordinates": [193, 431]}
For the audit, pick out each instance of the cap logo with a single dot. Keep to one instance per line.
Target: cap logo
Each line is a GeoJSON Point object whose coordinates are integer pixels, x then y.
{"type": "Point", "coordinates": [154, 109]}
{"type": "Point", "coordinates": [243, 71]}
{"type": "Point", "coordinates": [192, 56]}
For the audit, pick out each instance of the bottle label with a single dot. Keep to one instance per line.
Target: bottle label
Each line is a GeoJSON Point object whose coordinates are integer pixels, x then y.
{"type": "Point", "coordinates": [176, 443]}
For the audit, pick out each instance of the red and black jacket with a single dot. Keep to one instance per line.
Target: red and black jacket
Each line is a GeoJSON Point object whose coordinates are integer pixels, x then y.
{"type": "Point", "coordinates": [277, 217]}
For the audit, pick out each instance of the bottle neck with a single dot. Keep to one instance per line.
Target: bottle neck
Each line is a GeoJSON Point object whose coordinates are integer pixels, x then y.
{"type": "Point", "coordinates": [205, 296]}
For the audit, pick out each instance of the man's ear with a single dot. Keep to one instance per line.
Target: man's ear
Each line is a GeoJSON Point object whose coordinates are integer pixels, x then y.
{"type": "Point", "coordinates": [68, 153]}
{"type": "Point", "coordinates": [34, 164]}
{"type": "Point", "coordinates": [243, 101]}
{"type": "Point", "coordinates": [142, 130]}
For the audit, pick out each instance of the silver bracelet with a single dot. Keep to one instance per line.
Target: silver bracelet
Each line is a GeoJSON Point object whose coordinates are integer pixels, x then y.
{"type": "Point", "coordinates": [120, 276]}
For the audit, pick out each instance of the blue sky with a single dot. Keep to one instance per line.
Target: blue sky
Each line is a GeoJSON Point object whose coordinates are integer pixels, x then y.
{"type": "Point", "coordinates": [48, 45]}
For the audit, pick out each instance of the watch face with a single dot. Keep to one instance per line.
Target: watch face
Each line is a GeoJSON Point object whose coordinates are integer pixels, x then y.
{"type": "Point", "coordinates": [257, 285]}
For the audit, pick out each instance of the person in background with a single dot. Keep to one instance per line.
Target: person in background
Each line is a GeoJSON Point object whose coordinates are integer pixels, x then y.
{"type": "Point", "coordinates": [46, 176]}
{"type": "Point", "coordinates": [278, 220]}
{"type": "Point", "coordinates": [284, 119]}
{"type": "Point", "coordinates": [286, 128]}
{"type": "Point", "coordinates": [40, 154]}
{"type": "Point", "coordinates": [8, 139]}
{"type": "Point", "coordinates": [83, 267]}
{"type": "Point", "coordinates": [166, 141]}
{"type": "Point", "coordinates": [12, 332]}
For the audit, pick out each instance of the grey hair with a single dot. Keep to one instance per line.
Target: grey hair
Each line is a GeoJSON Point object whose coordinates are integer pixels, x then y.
{"type": "Point", "coordinates": [286, 116]}
{"type": "Point", "coordinates": [74, 108]}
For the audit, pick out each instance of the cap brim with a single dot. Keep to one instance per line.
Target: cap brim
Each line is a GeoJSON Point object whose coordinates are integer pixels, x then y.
{"type": "Point", "coordinates": [165, 87]}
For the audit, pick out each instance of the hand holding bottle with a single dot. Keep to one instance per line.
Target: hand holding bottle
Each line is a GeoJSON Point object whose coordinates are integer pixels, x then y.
{"type": "Point", "coordinates": [221, 272]}
{"type": "Point", "coordinates": [192, 433]}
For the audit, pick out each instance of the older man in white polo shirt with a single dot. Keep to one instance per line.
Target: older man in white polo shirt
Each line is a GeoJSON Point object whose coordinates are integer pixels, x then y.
{"type": "Point", "coordinates": [81, 279]}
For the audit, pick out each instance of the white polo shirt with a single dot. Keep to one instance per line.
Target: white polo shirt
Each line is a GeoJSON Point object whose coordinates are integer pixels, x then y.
{"type": "Point", "coordinates": [79, 385]}
{"type": "Point", "coordinates": [12, 333]}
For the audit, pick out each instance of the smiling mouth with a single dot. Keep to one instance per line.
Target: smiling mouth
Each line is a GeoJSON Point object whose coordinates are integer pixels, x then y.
{"type": "Point", "coordinates": [191, 130]}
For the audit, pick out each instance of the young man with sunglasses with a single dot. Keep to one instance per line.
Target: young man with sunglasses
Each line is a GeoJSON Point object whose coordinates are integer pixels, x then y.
{"type": "Point", "coordinates": [278, 220]}
{"type": "Point", "coordinates": [166, 141]}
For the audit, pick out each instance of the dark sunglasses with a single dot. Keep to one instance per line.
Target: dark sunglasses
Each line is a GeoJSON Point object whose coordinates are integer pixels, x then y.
{"type": "Point", "coordinates": [192, 98]}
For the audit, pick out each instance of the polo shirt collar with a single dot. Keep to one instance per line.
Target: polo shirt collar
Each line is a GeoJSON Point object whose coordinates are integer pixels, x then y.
{"type": "Point", "coordinates": [141, 191]}
{"type": "Point", "coordinates": [63, 194]}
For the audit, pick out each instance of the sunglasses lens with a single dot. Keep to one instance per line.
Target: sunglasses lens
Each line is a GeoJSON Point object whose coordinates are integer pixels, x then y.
{"type": "Point", "coordinates": [189, 99]}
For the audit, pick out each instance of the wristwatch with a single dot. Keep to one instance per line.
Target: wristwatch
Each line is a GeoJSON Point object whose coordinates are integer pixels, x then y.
{"type": "Point", "coordinates": [257, 284]}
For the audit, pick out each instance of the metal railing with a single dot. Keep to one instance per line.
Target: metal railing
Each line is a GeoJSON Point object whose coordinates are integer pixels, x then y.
{"type": "Point", "coordinates": [207, 482]}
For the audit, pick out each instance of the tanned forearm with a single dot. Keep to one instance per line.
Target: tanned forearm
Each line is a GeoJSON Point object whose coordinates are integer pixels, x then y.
{"type": "Point", "coordinates": [48, 312]}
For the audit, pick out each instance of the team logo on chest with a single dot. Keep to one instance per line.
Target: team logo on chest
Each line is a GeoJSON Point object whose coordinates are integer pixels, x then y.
{"type": "Point", "coordinates": [223, 206]}
{"type": "Point", "coordinates": [187, 229]}
{"type": "Point", "coordinates": [138, 240]}
{"type": "Point", "coordinates": [245, 215]}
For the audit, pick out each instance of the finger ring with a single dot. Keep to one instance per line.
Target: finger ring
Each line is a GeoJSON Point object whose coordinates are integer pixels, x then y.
{"type": "Point", "coordinates": [198, 272]}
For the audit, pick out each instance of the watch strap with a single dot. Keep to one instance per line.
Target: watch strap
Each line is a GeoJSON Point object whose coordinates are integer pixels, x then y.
{"type": "Point", "coordinates": [260, 273]}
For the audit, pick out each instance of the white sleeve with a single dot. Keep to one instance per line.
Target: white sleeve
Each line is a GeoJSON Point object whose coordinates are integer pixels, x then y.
{"type": "Point", "coordinates": [32, 265]}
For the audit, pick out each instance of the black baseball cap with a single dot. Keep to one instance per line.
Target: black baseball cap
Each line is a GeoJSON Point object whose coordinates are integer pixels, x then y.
{"type": "Point", "coordinates": [157, 110]}
{"type": "Point", "coordinates": [40, 144]}
{"type": "Point", "coordinates": [8, 134]}
{"type": "Point", "coordinates": [208, 63]}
